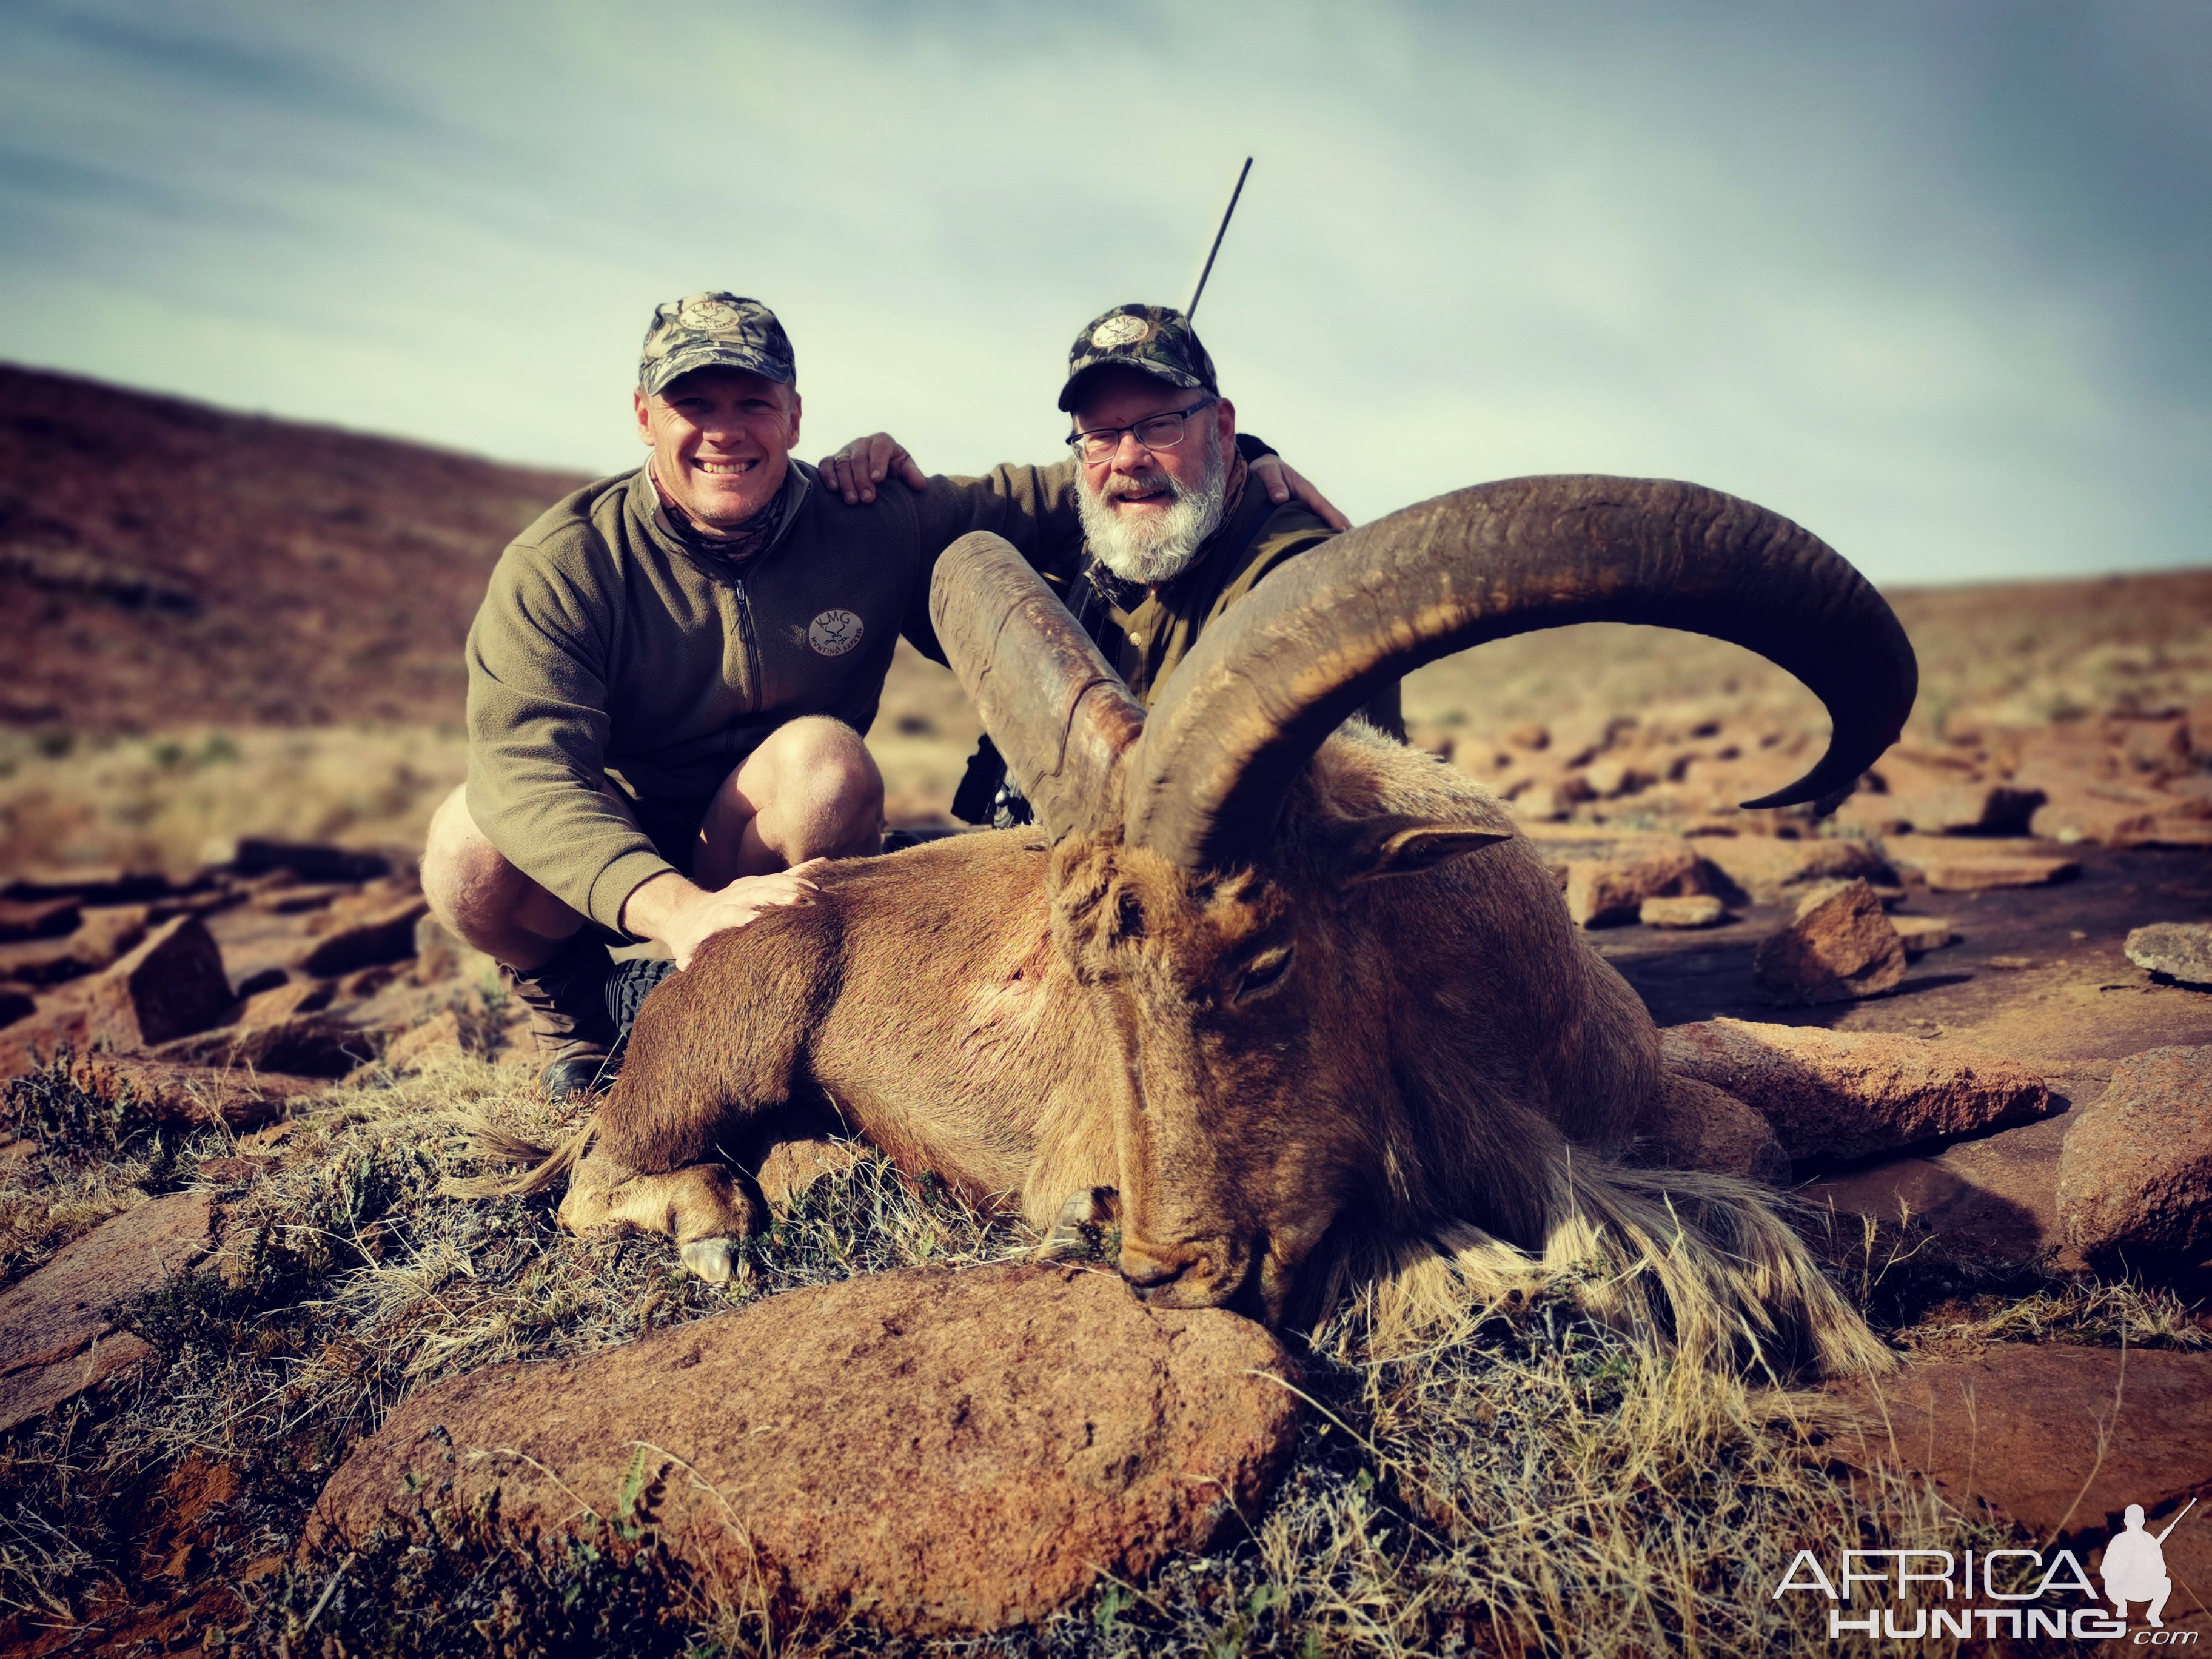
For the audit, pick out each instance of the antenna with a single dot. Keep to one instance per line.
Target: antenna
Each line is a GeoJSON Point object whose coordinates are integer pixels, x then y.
{"type": "Point", "coordinates": [1190, 311]}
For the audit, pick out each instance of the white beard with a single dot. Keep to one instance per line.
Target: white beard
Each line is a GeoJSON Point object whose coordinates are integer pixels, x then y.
{"type": "Point", "coordinates": [1155, 547]}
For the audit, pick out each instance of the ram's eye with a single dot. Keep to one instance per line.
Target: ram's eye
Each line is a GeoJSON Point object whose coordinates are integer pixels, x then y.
{"type": "Point", "coordinates": [1264, 972]}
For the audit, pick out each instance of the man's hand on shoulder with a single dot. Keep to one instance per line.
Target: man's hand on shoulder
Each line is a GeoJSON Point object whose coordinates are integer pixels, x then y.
{"type": "Point", "coordinates": [1282, 480]}
{"type": "Point", "coordinates": [684, 917]}
{"type": "Point", "coordinates": [855, 470]}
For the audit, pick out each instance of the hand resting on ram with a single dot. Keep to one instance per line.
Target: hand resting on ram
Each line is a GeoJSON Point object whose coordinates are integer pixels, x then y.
{"type": "Point", "coordinates": [1290, 1003]}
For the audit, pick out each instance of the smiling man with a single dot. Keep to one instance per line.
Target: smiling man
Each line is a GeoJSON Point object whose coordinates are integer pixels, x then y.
{"type": "Point", "coordinates": [1175, 531]}
{"type": "Point", "coordinates": [671, 668]}
{"type": "Point", "coordinates": [670, 674]}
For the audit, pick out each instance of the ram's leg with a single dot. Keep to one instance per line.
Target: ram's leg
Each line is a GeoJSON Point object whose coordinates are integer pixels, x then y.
{"type": "Point", "coordinates": [704, 1208]}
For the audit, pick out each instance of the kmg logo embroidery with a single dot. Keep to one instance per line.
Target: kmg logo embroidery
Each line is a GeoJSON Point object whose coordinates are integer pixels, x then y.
{"type": "Point", "coordinates": [833, 633]}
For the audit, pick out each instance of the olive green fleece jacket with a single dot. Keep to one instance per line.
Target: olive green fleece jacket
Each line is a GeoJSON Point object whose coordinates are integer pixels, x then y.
{"type": "Point", "coordinates": [605, 645]}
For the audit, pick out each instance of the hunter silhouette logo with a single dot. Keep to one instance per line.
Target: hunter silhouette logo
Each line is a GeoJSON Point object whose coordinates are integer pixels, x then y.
{"type": "Point", "coordinates": [833, 633]}
{"type": "Point", "coordinates": [2134, 1565]}
{"type": "Point", "coordinates": [1926, 1594]}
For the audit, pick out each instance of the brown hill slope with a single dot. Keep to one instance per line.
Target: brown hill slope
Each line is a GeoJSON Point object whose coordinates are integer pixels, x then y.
{"type": "Point", "coordinates": [162, 561]}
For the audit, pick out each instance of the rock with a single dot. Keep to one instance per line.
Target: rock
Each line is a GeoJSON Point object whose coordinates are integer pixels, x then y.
{"type": "Point", "coordinates": [294, 900]}
{"type": "Point", "coordinates": [264, 979]}
{"type": "Point", "coordinates": [1613, 777]}
{"type": "Point", "coordinates": [1980, 875]}
{"type": "Point", "coordinates": [1548, 801]}
{"type": "Point", "coordinates": [1763, 867]}
{"type": "Point", "coordinates": [305, 1045]}
{"type": "Point", "coordinates": [1839, 1094]}
{"type": "Point", "coordinates": [57, 1336]}
{"type": "Point", "coordinates": [309, 861]}
{"type": "Point", "coordinates": [101, 938]}
{"type": "Point", "coordinates": [1697, 1127]}
{"type": "Point", "coordinates": [89, 884]}
{"type": "Point", "coordinates": [26, 1044]}
{"type": "Point", "coordinates": [927, 1450]}
{"type": "Point", "coordinates": [386, 934]}
{"type": "Point", "coordinates": [1921, 934]}
{"type": "Point", "coordinates": [38, 918]}
{"type": "Point", "coordinates": [282, 1000]}
{"type": "Point", "coordinates": [2121, 816]}
{"type": "Point", "coordinates": [435, 1039]}
{"type": "Point", "coordinates": [2135, 1177]}
{"type": "Point", "coordinates": [1691, 910]}
{"type": "Point", "coordinates": [363, 983]}
{"type": "Point", "coordinates": [16, 1003]}
{"type": "Point", "coordinates": [1943, 797]}
{"type": "Point", "coordinates": [1610, 889]}
{"type": "Point", "coordinates": [171, 985]}
{"type": "Point", "coordinates": [164, 1092]}
{"type": "Point", "coordinates": [1839, 946]}
{"type": "Point", "coordinates": [2179, 950]}
{"type": "Point", "coordinates": [2055, 1438]}
{"type": "Point", "coordinates": [1962, 867]}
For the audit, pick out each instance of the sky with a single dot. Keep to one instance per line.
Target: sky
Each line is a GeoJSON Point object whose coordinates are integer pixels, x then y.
{"type": "Point", "coordinates": [1934, 278]}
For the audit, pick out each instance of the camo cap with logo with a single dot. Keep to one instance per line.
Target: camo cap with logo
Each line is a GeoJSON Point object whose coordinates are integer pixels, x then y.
{"type": "Point", "coordinates": [714, 330]}
{"type": "Point", "coordinates": [1157, 339]}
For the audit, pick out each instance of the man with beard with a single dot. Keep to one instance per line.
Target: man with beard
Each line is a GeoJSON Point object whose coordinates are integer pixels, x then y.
{"type": "Point", "coordinates": [1173, 531]}
{"type": "Point", "coordinates": [671, 671]}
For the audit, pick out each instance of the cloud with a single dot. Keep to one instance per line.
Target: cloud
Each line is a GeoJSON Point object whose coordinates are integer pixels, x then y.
{"type": "Point", "coordinates": [1922, 279]}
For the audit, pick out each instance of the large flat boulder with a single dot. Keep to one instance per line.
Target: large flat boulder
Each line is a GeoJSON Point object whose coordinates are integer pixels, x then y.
{"type": "Point", "coordinates": [2135, 1177]}
{"type": "Point", "coordinates": [57, 1335]}
{"type": "Point", "coordinates": [1765, 868]}
{"type": "Point", "coordinates": [1841, 1095]}
{"type": "Point", "coordinates": [1961, 865]}
{"type": "Point", "coordinates": [931, 1450]}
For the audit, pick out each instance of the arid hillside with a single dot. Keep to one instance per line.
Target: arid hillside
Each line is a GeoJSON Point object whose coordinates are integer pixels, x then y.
{"type": "Point", "coordinates": [163, 563]}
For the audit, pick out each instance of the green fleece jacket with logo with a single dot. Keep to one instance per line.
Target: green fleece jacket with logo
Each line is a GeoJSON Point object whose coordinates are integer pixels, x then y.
{"type": "Point", "coordinates": [604, 644]}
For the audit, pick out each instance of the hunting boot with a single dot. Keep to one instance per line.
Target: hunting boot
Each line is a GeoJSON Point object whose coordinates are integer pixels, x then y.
{"type": "Point", "coordinates": [566, 997]}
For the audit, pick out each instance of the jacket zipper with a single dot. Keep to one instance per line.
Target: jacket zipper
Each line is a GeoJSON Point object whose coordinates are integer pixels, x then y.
{"type": "Point", "coordinates": [749, 643]}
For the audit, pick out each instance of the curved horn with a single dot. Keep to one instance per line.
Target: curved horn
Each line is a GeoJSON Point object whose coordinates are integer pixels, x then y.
{"type": "Point", "coordinates": [1059, 715]}
{"type": "Point", "coordinates": [1264, 687]}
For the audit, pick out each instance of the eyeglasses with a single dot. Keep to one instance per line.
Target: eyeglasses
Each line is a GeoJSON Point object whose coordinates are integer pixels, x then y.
{"type": "Point", "coordinates": [1102, 443]}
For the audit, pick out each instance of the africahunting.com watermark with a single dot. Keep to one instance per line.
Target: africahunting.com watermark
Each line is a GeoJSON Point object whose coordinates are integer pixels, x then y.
{"type": "Point", "coordinates": [1904, 1595]}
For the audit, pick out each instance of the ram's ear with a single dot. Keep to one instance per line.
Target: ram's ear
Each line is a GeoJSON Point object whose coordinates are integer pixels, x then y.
{"type": "Point", "coordinates": [1406, 847]}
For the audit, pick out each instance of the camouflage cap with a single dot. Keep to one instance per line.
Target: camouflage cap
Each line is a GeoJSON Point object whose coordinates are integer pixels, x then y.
{"type": "Point", "coordinates": [714, 330]}
{"type": "Point", "coordinates": [1157, 339]}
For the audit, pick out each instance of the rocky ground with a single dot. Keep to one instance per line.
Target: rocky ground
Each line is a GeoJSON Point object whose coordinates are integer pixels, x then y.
{"type": "Point", "coordinates": [241, 1334]}
{"type": "Point", "coordinates": [1937, 1032]}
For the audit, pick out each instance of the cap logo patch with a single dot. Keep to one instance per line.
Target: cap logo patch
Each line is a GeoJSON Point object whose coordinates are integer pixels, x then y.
{"type": "Point", "coordinates": [833, 633]}
{"type": "Point", "coordinates": [1119, 331]}
{"type": "Point", "coordinates": [707, 314]}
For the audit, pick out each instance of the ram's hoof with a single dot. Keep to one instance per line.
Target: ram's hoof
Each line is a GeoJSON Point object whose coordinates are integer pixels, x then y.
{"type": "Point", "coordinates": [1077, 1229]}
{"type": "Point", "coordinates": [715, 1260]}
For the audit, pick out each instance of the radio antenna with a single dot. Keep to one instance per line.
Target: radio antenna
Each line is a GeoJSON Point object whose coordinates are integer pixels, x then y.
{"type": "Point", "coordinates": [1190, 311]}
